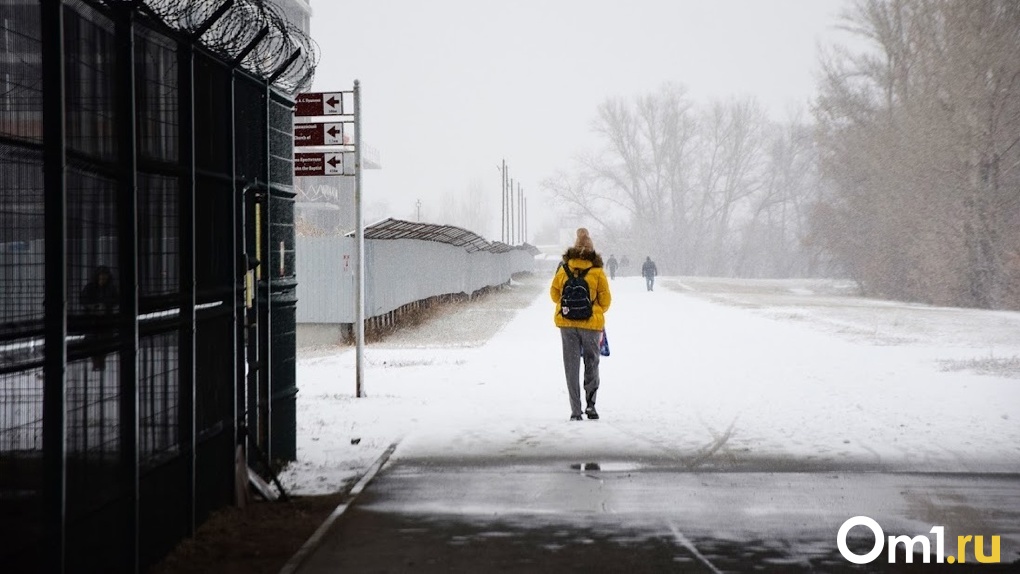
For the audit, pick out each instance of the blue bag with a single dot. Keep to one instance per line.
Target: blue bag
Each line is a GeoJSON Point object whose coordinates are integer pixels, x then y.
{"type": "Point", "coordinates": [603, 345]}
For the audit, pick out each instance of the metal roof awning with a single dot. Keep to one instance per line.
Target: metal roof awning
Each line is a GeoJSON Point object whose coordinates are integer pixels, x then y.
{"type": "Point", "coordinates": [399, 229]}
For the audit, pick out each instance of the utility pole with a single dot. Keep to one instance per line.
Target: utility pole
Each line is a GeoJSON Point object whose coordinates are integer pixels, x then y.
{"type": "Point", "coordinates": [525, 219]}
{"type": "Point", "coordinates": [418, 205]}
{"type": "Point", "coordinates": [520, 213]}
{"type": "Point", "coordinates": [512, 220]}
{"type": "Point", "coordinates": [502, 202]}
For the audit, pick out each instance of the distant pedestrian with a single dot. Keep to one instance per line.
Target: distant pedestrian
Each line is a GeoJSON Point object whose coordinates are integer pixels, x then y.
{"type": "Point", "coordinates": [649, 271]}
{"type": "Point", "coordinates": [581, 293]}
{"type": "Point", "coordinates": [612, 265]}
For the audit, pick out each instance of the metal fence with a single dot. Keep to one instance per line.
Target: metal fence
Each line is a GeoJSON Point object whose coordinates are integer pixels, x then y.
{"type": "Point", "coordinates": [397, 272]}
{"type": "Point", "coordinates": [146, 271]}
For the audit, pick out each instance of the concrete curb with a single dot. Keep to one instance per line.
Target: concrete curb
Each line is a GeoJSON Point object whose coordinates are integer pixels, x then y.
{"type": "Point", "coordinates": [315, 539]}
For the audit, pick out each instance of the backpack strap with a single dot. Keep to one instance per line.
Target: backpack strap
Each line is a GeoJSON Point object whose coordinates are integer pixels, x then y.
{"type": "Point", "coordinates": [580, 272]}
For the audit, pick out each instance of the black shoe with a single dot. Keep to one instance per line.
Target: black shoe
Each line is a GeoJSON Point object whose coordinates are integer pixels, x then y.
{"type": "Point", "coordinates": [592, 415]}
{"type": "Point", "coordinates": [575, 417]}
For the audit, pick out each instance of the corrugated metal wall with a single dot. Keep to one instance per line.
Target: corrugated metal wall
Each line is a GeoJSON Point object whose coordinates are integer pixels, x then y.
{"type": "Point", "coordinates": [397, 272]}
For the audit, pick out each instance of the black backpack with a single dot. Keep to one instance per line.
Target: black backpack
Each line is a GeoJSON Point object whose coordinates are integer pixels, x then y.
{"type": "Point", "coordinates": [575, 299]}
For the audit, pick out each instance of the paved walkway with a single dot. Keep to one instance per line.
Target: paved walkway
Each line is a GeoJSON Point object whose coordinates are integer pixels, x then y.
{"type": "Point", "coordinates": [619, 515]}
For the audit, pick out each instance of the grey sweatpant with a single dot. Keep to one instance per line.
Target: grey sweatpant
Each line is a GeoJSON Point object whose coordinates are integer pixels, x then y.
{"type": "Point", "coordinates": [575, 343]}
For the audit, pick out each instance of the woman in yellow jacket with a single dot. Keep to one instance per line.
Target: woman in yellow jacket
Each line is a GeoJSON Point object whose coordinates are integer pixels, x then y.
{"type": "Point", "coordinates": [581, 336]}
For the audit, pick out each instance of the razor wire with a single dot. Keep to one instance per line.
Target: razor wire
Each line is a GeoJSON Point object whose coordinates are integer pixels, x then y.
{"type": "Point", "coordinates": [258, 25]}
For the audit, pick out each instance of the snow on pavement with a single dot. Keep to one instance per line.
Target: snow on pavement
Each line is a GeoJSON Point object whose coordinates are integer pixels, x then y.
{"type": "Point", "coordinates": [703, 375]}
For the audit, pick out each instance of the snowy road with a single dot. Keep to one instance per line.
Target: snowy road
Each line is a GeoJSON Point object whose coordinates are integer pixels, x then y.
{"type": "Point", "coordinates": [705, 377]}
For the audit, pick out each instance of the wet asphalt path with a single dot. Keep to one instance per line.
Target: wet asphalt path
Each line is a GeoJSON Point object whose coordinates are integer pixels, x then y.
{"type": "Point", "coordinates": [646, 515]}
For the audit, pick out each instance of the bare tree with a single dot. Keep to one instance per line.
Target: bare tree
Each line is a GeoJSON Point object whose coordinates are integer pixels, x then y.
{"type": "Point", "coordinates": [919, 140]}
{"type": "Point", "coordinates": [772, 237]}
{"type": "Point", "coordinates": [690, 186]}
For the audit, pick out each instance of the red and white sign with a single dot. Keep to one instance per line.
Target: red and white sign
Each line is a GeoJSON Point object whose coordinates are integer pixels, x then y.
{"type": "Point", "coordinates": [319, 134]}
{"type": "Point", "coordinates": [320, 104]}
{"type": "Point", "coordinates": [321, 163]}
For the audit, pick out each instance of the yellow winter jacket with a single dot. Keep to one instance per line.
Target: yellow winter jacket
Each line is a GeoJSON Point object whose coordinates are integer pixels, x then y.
{"type": "Point", "coordinates": [598, 285]}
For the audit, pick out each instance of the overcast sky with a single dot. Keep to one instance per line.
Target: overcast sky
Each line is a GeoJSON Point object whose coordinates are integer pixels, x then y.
{"type": "Point", "coordinates": [451, 87]}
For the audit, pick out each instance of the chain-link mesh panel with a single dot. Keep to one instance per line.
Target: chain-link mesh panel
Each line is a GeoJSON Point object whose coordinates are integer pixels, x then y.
{"type": "Point", "coordinates": [22, 283]}
{"type": "Point", "coordinates": [156, 98]}
{"type": "Point", "coordinates": [212, 118]}
{"type": "Point", "coordinates": [22, 249]}
{"type": "Point", "coordinates": [92, 256]}
{"type": "Point", "coordinates": [281, 143]}
{"type": "Point", "coordinates": [250, 119]}
{"type": "Point", "coordinates": [158, 244]}
{"type": "Point", "coordinates": [90, 51]}
{"type": "Point", "coordinates": [215, 260]}
{"type": "Point", "coordinates": [158, 397]}
{"type": "Point", "coordinates": [214, 376]}
{"type": "Point", "coordinates": [21, 468]}
{"type": "Point", "coordinates": [20, 72]}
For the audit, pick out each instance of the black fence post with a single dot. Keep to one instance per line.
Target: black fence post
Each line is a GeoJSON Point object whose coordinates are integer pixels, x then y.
{"type": "Point", "coordinates": [186, 414]}
{"type": "Point", "coordinates": [55, 321]}
{"type": "Point", "coordinates": [265, 290]}
{"type": "Point", "coordinates": [282, 296]}
{"type": "Point", "coordinates": [127, 243]}
{"type": "Point", "coordinates": [239, 279]}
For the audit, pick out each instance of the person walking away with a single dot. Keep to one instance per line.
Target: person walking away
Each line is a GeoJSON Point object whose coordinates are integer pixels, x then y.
{"type": "Point", "coordinates": [611, 264]}
{"type": "Point", "coordinates": [580, 291]}
{"type": "Point", "coordinates": [649, 270]}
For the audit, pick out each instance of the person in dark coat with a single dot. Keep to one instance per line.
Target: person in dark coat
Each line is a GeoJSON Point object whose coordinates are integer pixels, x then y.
{"type": "Point", "coordinates": [612, 264]}
{"type": "Point", "coordinates": [100, 296]}
{"type": "Point", "coordinates": [649, 271]}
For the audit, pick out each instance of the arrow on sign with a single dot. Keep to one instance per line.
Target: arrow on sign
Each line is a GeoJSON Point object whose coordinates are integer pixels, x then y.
{"type": "Point", "coordinates": [319, 104]}
{"type": "Point", "coordinates": [333, 131]}
{"type": "Point", "coordinates": [334, 164]}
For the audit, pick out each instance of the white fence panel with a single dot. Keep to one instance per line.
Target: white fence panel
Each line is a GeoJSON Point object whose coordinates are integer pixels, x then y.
{"type": "Point", "coordinates": [397, 272]}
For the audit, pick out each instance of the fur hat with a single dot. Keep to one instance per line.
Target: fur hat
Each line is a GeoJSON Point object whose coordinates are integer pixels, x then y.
{"type": "Point", "coordinates": [583, 241]}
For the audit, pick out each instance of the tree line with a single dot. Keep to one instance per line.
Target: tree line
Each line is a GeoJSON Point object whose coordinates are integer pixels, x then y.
{"type": "Point", "coordinates": [905, 176]}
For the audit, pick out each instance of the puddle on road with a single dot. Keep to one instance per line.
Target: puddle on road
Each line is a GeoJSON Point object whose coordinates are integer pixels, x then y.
{"type": "Point", "coordinates": [605, 466]}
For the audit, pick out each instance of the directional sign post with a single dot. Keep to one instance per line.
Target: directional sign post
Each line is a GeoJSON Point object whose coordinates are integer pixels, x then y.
{"type": "Point", "coordinates": [341, 111]}
{"type": "Point", "coordinates": [359, 279]}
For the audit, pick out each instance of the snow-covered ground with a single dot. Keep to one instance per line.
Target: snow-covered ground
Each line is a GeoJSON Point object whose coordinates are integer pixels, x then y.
{"type": "Point", "coordinates": [704, 373]}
